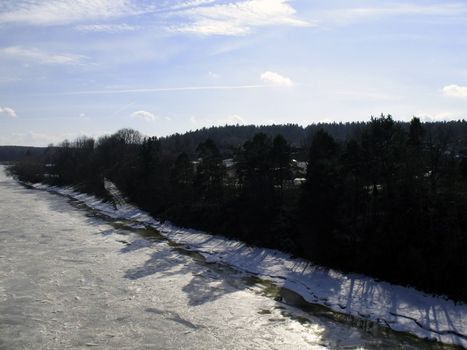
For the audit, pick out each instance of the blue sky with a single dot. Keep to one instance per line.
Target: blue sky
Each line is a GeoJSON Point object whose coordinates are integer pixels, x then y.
{"type": "Point", "coordinates": [82, 67]}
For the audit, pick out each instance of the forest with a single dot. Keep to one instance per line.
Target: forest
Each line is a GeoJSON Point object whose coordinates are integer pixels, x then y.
{"type": "Point", "coordinates": [383, 198]}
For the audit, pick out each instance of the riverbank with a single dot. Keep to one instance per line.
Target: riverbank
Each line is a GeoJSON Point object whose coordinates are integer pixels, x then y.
{"type": "Point", "coordinates": [396, 307]}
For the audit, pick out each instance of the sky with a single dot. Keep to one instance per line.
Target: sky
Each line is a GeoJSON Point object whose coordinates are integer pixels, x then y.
{"type": "Point", "coordinates": [79, 67]}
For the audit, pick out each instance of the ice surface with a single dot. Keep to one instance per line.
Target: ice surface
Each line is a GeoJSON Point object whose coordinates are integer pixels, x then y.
{"type": "Point", "coordinates": [400, 308]}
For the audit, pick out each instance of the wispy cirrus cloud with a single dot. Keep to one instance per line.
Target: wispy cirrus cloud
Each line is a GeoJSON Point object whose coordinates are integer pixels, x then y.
{"type": "Point", "coordinates": [190, 3]}
{"type": "Point", "coordinates": [207, 17]}
{"type": "Point", "coordinates": [59, 12]}
{"type": "Point", "coordinates": [39, 56]}
{"type": "Point", "coordinates": [237, 17]}
{"type": "Point", "coordinates": [107, 28]}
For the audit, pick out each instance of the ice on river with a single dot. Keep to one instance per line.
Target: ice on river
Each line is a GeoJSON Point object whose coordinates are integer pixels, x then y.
{"type": "Point", "coordinates": [70, 279]}
{"type": "Point", "coordinates": [399, 308]}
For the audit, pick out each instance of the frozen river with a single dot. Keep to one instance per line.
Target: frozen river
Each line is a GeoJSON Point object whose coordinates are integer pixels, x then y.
{"type": "Point", "coordinates": [70, 278]}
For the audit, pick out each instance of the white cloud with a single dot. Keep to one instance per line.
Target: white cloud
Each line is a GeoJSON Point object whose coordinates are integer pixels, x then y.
{"type": "Point", "coordinates": [58, 12]}
{"type": "Point", "coordinates": [275, 79]}
{"type": "Point", "coordinates": [107, 28]}
{"type": "Point", "coordinates": [439, 116]}
{"type": "Point", "coordinates": [144, 115]}
{"type": "Point", "coordinates": [213, 75]}
{"type": "Point", "coordinates": [238, 17]}
{"type": "Point", "coordinates": [455, 91]}
{"type": "Point", "coordinates": [324, 121]}
{"type": "Point", "coordinates": [7, 111]}
{"type": "Point", "coordinates": [39, 56]}
{"type": "Point", "coordinates": [232, 119]}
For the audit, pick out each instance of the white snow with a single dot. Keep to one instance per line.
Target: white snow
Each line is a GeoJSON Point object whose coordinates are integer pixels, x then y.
{"type": "Point", "coordinates": [400, 308]}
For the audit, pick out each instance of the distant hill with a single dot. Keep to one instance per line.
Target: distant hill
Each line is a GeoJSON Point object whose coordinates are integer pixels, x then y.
{"type": "Point", "coordinates": [232, 136]}
{"type": "Point", "coordinates": [13, 153]}
{"type": "Point", "coordinates": [229, 137]}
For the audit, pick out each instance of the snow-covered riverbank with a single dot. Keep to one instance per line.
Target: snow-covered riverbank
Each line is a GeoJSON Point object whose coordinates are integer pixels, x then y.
{"type": "Point", "coordinates": [400, 308]}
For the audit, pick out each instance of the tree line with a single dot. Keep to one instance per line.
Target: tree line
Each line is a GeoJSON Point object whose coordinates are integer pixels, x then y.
{"type": "Point", "coordinates": [383, 198]}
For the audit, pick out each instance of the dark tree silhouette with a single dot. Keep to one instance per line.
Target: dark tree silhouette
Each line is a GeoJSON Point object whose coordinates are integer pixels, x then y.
{"type": "Point", "coordinates": [384, 198]}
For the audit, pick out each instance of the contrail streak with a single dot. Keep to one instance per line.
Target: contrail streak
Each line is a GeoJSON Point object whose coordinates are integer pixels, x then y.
{"type": "Point", "coordinates": [167, 89]}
